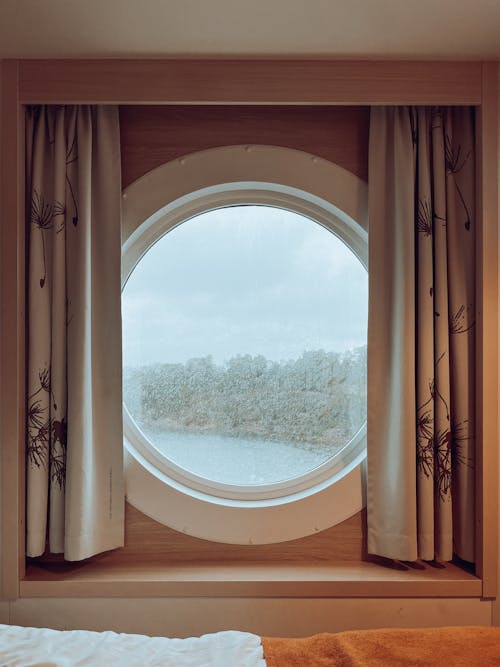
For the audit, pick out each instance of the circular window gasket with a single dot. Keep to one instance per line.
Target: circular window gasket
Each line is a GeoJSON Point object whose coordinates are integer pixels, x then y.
{"type": "Point", "coordinates": [161, 200]}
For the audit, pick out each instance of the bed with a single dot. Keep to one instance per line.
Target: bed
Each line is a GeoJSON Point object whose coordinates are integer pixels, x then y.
{"type": "Point", "coordinates": [447, 647]}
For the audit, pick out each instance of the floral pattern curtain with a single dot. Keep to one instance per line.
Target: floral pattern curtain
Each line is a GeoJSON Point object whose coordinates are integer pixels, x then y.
{"type": "Point", "coordinates": [74, 424]}
{"type": "Point", "coordinates": [421, 333]}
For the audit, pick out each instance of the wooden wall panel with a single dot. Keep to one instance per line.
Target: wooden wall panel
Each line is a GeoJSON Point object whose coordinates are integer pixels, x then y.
{"type": "Point", "coordinates": [151, 544]}
{"type": "Point", "coordinates": [487, 339]}
{"type": "Point", "coordinates": [249, 82]}
{"type": "Point", "coordinates": [12, 339]}
{"type": "Point", "coordinates": [148, 541]}
{"type": "Point", "coordinates": [153, 135]}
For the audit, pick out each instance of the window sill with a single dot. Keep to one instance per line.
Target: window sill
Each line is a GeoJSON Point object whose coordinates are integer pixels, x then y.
{"type": "Point", "coordinates": [353, 579]}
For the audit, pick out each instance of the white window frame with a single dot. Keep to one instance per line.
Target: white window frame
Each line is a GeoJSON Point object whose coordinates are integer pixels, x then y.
{"type": "Point", "coordinates": [157, 202]}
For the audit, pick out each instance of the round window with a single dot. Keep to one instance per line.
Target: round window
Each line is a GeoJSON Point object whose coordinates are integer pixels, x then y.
{"type": "Point", "coordinates": [244, 341]}
{"type": "Point", "coordinates": [244, 344]}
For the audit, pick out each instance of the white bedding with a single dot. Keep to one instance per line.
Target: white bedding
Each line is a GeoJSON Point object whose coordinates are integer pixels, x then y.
{"type": "Point", "coordinates": [40, 647]}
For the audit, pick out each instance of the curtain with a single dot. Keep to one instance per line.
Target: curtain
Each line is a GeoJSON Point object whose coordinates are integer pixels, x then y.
{"type": "Point", "coordinates": [421, 333]}
{"type": "Point", "coordinates": [75, 491]}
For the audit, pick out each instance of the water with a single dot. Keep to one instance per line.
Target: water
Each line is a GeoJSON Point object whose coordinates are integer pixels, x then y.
{"type": "Point", "coordinates": [242, 461]}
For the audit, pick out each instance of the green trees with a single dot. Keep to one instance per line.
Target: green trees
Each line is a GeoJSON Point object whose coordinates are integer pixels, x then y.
{"type": "Point", "coordinates": [317, 399]}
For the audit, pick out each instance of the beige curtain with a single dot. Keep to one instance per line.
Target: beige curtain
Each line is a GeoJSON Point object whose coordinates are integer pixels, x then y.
{"type": "Point", "coordinates": [421, 330]}
{"type": "Point", "coordinates": [74, 416]}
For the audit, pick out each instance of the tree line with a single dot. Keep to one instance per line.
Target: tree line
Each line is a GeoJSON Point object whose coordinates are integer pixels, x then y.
{"type": "Point", "coordinates": [319, 398]}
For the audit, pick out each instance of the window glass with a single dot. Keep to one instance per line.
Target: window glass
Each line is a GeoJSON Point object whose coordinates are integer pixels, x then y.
{"type": "Point", "coordinates": [244, 342]}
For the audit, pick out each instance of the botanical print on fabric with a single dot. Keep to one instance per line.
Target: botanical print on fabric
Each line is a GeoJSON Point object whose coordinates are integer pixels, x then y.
{"type": "Point", "coordinates": [46, 428]}
{"type": "Point", "coordinates": [421, 428]}
{"type": "Point", "coordinates": [42, 218]}
{"type": "Point", "coordinates": [424, 217]}
{"type": "Point", "coordinates": [455, 162]}
{"type": "Point", "coordinates": [438, 452]}
{"type": "Point", "coordinates": [46, 435]}
{"type": "Point", "coordinates": [442, 430]}
{"type": "Point", "coordinates": [73, 323]}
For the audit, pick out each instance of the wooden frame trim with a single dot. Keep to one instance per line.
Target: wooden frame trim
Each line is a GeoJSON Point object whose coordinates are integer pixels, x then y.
{"type": "Point", "coordinates": [235, 82]}
{"type": "Point", "coordinates": [249, 82]}
{"type": "Point", "coordinates": [12, 351]}
{"type": "Point", "coordinates": [488, 339]}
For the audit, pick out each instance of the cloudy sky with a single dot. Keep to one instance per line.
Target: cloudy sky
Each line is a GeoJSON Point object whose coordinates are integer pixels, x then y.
{"type": "Point", "coordinates": [244, 280]}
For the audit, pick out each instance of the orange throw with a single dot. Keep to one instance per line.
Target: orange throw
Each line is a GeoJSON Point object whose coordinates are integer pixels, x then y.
{"type": "Point", "coordinates": [437, 647]}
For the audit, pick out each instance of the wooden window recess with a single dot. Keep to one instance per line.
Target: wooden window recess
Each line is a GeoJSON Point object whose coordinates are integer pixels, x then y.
{"type": "Point", "coordinates": [296, 102]}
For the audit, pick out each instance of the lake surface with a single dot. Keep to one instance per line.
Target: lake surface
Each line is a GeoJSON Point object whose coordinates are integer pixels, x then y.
{"type": "Point", "coordinates": [238, 460]}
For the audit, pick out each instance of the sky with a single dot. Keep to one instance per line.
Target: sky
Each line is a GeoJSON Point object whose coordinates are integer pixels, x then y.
{"type": "Point", "coordinates": [244, 280]}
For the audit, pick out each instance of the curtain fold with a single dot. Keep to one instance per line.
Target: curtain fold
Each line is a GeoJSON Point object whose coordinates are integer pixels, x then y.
{"type": "Point", "coordinates": [75, 489]}
{"type": "Point", "coordinates": [421, 333]}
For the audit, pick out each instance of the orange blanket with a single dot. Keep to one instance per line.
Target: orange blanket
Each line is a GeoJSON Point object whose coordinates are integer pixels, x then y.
{"type": "Point", "coordinates": [439, 647]}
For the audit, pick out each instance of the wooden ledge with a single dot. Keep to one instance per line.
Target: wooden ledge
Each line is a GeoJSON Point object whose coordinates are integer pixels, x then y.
{"type": "Point", "coordinates": [353, 579]}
